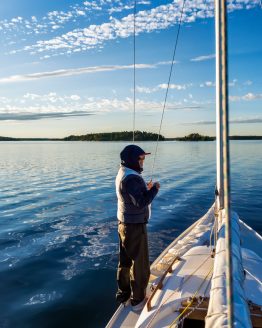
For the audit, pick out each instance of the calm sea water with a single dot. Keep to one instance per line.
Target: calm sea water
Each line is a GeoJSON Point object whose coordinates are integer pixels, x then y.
{"type": "Point", "coordinates": [58, 231]}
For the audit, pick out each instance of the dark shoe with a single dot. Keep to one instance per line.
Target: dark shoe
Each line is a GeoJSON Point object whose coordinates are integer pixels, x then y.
{"type": "Point", "coordinates": [138, 305]}
{"type": "Point", "coordinates": [122, 298]}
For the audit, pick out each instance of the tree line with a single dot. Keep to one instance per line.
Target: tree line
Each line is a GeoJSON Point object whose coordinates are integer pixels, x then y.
{"type": "Point", "coordinates": [116, 136]}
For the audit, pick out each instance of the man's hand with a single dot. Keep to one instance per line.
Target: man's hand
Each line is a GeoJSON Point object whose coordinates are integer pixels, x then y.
{"type": "Point", "coordinates": [149, 185]}
{"type": "Point", "coordinates": [157, 184]}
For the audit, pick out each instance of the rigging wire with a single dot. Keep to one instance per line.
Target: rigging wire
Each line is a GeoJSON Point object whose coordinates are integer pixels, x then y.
{"type": "Point", "coordinates": [168, 85]}
{"type": "Point", "coordinates": [134, 72]}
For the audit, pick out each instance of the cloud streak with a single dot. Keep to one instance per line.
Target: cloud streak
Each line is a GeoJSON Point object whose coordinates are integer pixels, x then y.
{"type": "Point", "coordinates": [39, 116]}
{"type": "Point", "coordinates": [253, 120]}
{"type": "Point", "coordinates": [71, 72]}
{"type": "Point", "coordinates": [203, 58]}
{"type": "Point", "coordinates": [79, 71]}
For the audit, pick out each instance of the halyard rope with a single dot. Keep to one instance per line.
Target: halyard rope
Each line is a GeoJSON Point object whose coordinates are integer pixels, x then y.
{"type": "Point", "coordinates": [168, 85]}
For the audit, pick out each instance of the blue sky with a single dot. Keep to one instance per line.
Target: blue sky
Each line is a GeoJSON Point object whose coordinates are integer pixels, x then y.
{"type": "Point", "coordinates": [67, 67]}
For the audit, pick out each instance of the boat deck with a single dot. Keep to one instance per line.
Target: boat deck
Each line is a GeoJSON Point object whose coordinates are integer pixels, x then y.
{"type": "Point", "coordinates": [181, 278]}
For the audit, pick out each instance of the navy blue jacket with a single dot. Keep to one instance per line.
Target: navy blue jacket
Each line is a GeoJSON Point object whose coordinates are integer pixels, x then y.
{"type": "Point", "coordinates": [133, 196]}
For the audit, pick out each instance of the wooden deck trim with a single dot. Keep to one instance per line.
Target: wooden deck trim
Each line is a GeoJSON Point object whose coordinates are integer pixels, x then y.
{"type": "Point", "coordinates": [160, 283]}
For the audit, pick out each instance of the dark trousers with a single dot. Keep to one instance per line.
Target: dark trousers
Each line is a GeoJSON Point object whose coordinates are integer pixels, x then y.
{"type": "Point", "coordinates": [133, 267]}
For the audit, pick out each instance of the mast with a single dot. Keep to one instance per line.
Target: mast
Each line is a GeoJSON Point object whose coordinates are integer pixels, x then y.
{"type": "Point", "coordinates": [223, 172]}
{"type": "Point", "coordinates": [219, 145]}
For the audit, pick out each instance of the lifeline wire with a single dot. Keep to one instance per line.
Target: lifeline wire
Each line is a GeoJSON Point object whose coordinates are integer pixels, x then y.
{"type": "Point", "coordinates": [134, 112]}
{"type": "Point", "coordinates": [169, 79]}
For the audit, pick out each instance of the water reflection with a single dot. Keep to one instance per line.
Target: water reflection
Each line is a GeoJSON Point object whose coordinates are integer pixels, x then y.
{"type": "Point", "coordinates": [58, 211]}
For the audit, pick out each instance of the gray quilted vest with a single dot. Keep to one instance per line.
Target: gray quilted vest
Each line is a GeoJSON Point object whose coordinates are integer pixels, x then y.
{"type": "Point", "coordinates": [127, 212]}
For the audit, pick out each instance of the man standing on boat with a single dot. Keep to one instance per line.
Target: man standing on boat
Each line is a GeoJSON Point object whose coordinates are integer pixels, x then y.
{"type": "Point", "coordinates": [134, 199]}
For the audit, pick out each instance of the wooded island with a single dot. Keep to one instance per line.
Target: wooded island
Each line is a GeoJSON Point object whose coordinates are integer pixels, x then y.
{"type": "Point", "coordinates": [128, 136]}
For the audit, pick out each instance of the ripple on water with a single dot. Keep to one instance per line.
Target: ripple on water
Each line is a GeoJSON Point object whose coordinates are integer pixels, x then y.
{"type": "Point", "coordinates": [44, 298]}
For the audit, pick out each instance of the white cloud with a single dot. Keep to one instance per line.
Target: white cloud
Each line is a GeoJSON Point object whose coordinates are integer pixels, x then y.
{"type": "Point", "coordinates": [169, 62]}
{"type": "Point", "coordinates": [127, 5]}
{"type": "Point", "coordinates": [187, 108]}
{"type": "Point", "coordinates": [172, 86]}
{"type": "Point", "coordinates": [162, 86]}
{"type": "Point", "coordinates": [207, 84]}
{"type": "Point", "coordinates": [143, 106]}
{"type": "Point", "coordinates": [82, 70]}
{"type": "Point", "coordinates": [240, 120]}
{"type": "Point", "coordinates": [252, 96]}
{"type": "Point", "coordinates": [75, 97]}
{"type": "Point", "coordinates": [70, 72]}
{"type": "Point", "coordinates": [248, 82]}
{"type": "Point", "coordinates": [4, 100]}
{"type": "Point", "coordinates": [29, 116]}
{"type": "Point", "coordinates": [52, 97]}
{"type": "Point", "coordinates": [80, 13]}
{"type": "Point", "coordinates": [203, 58]}
{"type": "Point", "coordinates": [247, 97]}
{"type": "Point", "coordinates": [40, 106]}
{"type": "Point", "coordinates": [143, 2]}
{"type": "Point", "coordinates": [55, 19]}
{"type": "Point", "coordinates": [145, 89]}
{"type": "Point", "coordinates": [158, 18]}
{"type": "Point", "coordinates": [233, 83]}
{"type": "Point", "coordinates": [120, 8]}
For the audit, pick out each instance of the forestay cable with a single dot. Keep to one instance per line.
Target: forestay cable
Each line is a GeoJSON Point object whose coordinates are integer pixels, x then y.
{"type": "Point", "coordinates": [168, 85]}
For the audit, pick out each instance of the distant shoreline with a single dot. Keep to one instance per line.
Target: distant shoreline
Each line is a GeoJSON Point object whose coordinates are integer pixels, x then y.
{"type": "Point", "coordinates": [128, 136]}
{"type": "Point", "coordinates": [214, 138]}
